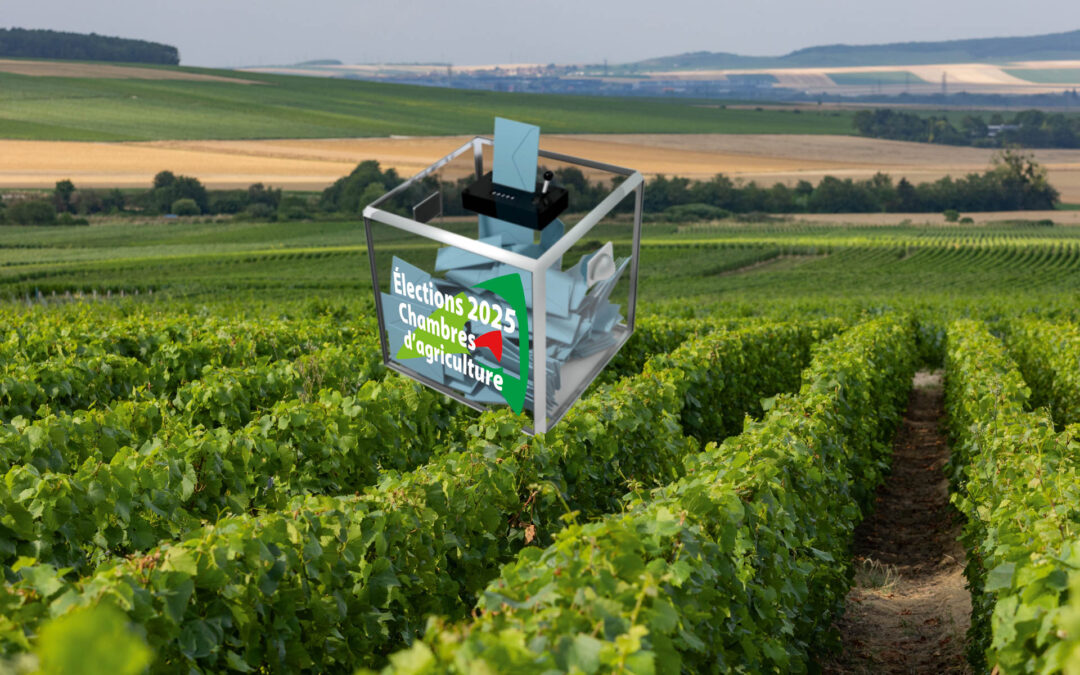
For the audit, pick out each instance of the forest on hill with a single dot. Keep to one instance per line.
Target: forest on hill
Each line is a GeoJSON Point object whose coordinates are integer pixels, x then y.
{"type": "Point", "coordinates": [51, 44]}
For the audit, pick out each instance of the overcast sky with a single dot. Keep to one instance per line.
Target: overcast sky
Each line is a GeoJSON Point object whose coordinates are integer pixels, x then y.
{"type": "Point", "coordinates": [261, 32]}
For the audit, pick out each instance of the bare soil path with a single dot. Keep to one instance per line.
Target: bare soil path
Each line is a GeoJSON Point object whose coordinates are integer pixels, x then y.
{"type": "Point", "coordinates": [909, 611]}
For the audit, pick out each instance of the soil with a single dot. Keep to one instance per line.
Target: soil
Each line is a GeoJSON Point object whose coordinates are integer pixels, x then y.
{"type": "Point", "coordinates": [909, 610]}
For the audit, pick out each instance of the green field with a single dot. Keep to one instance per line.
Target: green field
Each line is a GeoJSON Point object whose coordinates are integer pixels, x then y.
{"type": "Point", "coordinates": [1047, 75]}
{"type": "Point", "coordinates": [56, 108]}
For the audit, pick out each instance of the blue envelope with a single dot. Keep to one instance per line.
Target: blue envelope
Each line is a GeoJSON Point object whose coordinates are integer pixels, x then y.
{"type": "Point", "coordinates": [517, 148]}
{"type": "Point", "coordinates": [510, 233]}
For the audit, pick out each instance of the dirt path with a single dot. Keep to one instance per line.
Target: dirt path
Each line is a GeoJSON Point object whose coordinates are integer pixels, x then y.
{"type": "Point", "coordinates": [909, 611]}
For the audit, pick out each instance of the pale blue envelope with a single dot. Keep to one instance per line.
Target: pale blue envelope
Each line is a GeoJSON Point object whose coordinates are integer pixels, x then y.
{"type": "Point", "coordinates": [517, 147]}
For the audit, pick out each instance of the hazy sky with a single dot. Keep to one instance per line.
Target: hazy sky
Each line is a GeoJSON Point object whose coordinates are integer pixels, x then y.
{"type": "Point", "coordinates": [255, 32]}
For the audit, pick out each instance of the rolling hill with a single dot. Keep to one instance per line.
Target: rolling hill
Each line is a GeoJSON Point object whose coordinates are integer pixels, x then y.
{"type": "Point", "coordinates": [1055, 46]}
{"type": "Point", "coordinates": [142, 104]}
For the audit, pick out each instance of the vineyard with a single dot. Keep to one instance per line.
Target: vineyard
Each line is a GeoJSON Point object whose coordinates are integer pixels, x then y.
{"type": "Point", "coordinates": [219, 475]}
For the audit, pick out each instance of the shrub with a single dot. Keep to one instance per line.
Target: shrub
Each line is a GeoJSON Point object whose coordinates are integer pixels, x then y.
{"type": "Point", "coordinates": [168, 188]}
{"type": "Point", "coordinates": [33, 212]}
{"type": "Point", "coordinates": [685, 213]}
{"type": "Point", "coordinates": [186, 207]}
{"type": "Point", "coordinates": [228, 201]}
{"type": "Point", "coordinates": [292, 208]}
{"type": "Point", "coordinates": [68, 219]}
{"type": "Point", "coordinates": [113, 201]}
{"type": "Point", "coordinates": [261, 211]}
{"type": "Point", "coordinates": [951, 215]}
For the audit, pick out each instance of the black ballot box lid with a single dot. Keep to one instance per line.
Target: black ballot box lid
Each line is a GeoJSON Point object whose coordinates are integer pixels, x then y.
{"type": "Point", "coordinates": [529, 209]}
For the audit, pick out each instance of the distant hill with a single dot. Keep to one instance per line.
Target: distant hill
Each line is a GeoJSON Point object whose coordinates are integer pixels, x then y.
{"type": "Point", "coordinates": [51, 44]}
{"type": "Point", "coordinates": [981, 50]}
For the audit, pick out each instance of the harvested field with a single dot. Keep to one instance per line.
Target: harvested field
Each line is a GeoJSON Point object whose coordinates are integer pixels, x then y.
{"type": "Point", "coordinates": [983, 78]}
{"type": "Point", "coordinates": [41, 163]}
{"type": "Point", "coordinates": [106, 71]}
{"type": "Point", "coordinates": [312, 164]}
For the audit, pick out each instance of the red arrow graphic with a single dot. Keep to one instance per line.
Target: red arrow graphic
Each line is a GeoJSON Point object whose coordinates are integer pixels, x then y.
{"type": "Point", "coordinates": [493, 341]}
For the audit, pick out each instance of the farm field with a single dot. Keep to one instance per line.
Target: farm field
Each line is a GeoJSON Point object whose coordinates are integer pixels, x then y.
{"type": "Point", "coordinates": [312, 164]}
{"type": "Point", "coordinates": [181, 106]}
{"type": "Point", "coordinates": [223, 460]}
{"type": "Point", "coordinates": [898, 78]}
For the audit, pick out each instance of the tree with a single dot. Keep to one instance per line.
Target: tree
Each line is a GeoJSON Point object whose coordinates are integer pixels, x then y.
{"type": "Point", "coordinates": [188, 187]}
{"type": "Point", "coordinates": [372, 192]}
{"type": "Point", "coordinates": [974, 127]}
{"type": "Point", "coordinates": [164, 179]}
{"type": "Point", "coordinates": [257, 193]}
{"type": "Point", "coordinates": [169, 187]}
{"type": "Point", "coordinates": [350, 194]}
{"type": "Point", "coordinates": [907, 198]}
{"type": "Point", "coordinates": [1023, 181]}
{"type": "Point", "coordinates": [113, 201]}
{"type": "Point", "coordinates": [62, 196]}
{"type": "Point", "coordinates": [833, 195]}
{"type": "Point", "coordinates": [86, 202]}
{"type": "Point", "coordinates": [293, 207]}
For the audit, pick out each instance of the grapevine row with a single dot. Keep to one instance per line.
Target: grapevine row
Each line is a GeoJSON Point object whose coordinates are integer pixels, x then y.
{"type": "Point", "coordinates": [163, 475]}
{"type": "Point", "coordinates": [739, 565]}
{"type": "Point", "coordinates": [349, 578]}
{"type": "Point", "coordinates": [1049, 358]}
{"type": "Point", "coordinates": [88, 378]}
{"type": "Point", "coordinates": [1015, 480]}
{"type": "Point", "coordinates": [172, 484]}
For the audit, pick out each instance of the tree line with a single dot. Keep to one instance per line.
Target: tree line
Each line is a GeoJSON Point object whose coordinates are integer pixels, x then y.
{"type": "Point", "coordinates": [169, 194]}
{"type": "Point", "coordinates": [1013, 182]}
{"type": "Point", "coordinates": [51, 44]}
{"type": "Point", "coordinates": [1025, 129]}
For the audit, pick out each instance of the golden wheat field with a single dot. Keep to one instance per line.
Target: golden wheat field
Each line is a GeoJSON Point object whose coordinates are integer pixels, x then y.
{"type": "Point", "coordinates": [312, 164]}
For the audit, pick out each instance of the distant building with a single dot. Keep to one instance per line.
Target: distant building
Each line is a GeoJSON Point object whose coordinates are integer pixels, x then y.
{"type": "Point", "coordinates": [995, 129]}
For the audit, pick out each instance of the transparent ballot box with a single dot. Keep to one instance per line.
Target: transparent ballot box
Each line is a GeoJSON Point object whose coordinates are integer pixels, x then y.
{"type": "Point", "coordinates": [494, 313]}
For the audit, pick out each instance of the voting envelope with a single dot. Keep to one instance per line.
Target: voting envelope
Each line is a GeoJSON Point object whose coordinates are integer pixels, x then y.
{"type": "Point", "coordinates": [517, 149]}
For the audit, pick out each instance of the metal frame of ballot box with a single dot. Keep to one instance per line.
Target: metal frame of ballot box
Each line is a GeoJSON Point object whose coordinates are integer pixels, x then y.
{"type": "Point", "coordinates": [545, 418]}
